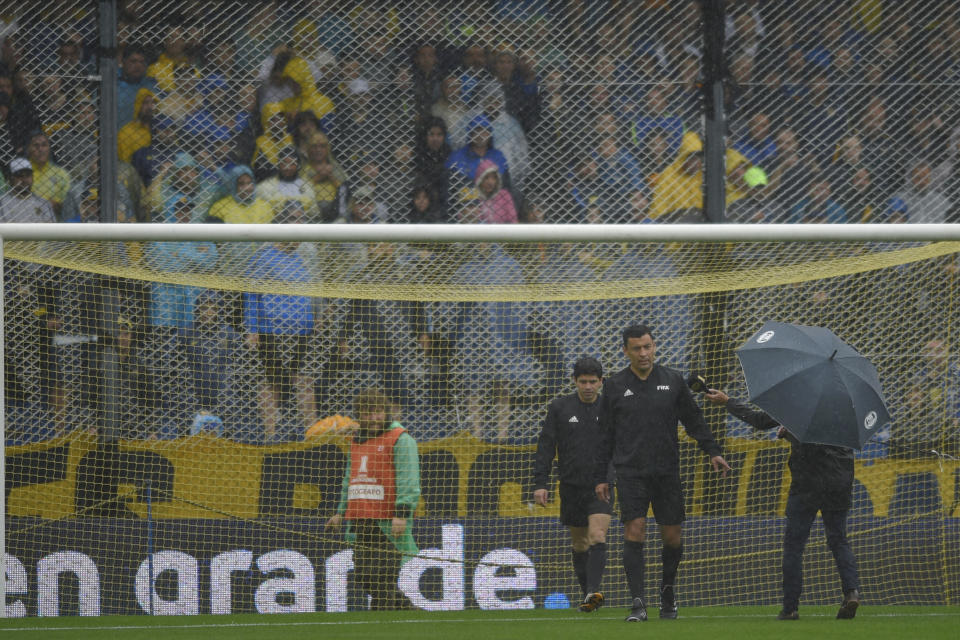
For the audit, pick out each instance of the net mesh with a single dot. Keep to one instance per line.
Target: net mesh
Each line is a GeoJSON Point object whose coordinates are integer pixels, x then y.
{"type": "Point", "coordinates": [192, 441]}
{"type": "Point", "coordinates": [160, 459]}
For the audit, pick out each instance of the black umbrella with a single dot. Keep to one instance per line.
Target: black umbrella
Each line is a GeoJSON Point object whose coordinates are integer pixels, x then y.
{"type": "Point", "coordinates": [814, 384]}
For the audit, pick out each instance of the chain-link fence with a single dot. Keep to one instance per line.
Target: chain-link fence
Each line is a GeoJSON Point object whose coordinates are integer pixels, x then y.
{"type": "Point", "coordinates": [494, 111]}
{"type": "Point", "coordinates": [419, 111]}
{"type": "Point", "coordinates": [138, 374]}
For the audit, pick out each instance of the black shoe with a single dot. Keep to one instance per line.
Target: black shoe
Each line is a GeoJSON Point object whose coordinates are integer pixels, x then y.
{"type": "Point", "coordinates": [849, 607]}
{"type": "Point", "coordinates": [638, 612]}
{"type": "Point", "coordinates": [668, 603]}
{"type": "Point", "coordinates": [788, 615]}
{"type": "Point", "coordinates": [592, 602]}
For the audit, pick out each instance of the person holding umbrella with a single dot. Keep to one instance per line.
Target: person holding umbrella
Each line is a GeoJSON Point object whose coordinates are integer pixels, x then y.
{"type": "Point", "coordinates": [826, 399]}
{"type": "Point", "coordinates": [822, 480]}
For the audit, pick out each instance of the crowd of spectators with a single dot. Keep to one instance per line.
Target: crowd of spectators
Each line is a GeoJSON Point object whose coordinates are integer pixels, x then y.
{"type": "Point", "coordinates": [507, 111]}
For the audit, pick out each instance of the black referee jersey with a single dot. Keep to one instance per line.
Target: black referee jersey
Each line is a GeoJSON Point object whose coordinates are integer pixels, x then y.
{"type": "Point", "coordinates": [638, 423]}
{"type": "Point", "coordinates": [570, 431]}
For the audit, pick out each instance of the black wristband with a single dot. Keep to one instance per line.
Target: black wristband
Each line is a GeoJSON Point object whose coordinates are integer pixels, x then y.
{"type": "Point", "coordinates": [404, 511]}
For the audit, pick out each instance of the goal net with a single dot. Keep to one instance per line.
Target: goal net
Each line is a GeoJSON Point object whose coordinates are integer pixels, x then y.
{"type": "Point", "coordinates": [161, 460]}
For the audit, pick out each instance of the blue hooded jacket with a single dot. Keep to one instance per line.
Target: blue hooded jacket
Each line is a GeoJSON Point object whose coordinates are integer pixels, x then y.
{"type": "Point", "coordinates": [171, 305]}
{"type": "Point", "coordinates": [465, 161]}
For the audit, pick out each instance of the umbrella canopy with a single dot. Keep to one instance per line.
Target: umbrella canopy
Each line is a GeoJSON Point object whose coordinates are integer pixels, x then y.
{"type": "Point", "coordinates": [814, 384]}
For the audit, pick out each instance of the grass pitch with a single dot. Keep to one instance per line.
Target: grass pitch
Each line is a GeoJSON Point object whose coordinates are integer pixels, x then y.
{"type": "Point", "coordinates": [739, 623]}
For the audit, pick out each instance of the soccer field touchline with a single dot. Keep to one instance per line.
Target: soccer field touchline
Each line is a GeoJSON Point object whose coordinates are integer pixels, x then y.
{"type": "Point", "coordinates": [320, 623]}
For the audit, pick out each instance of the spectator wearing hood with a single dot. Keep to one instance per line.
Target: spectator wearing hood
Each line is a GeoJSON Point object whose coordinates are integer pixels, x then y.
{"type": "Point", "coordinates": [137, 134]}
{"type": "Point", "coordinates": [240, 204]}
{"type": "Point", "coordinates": [463, 162]}
{"type": "Point", "coordinates": [306, 96]}
{"type": "Point", "coordinates": [680, 185]}
{"type": "Point", "coordinates": [325, 176]}
{"type": "Point", "coordinates": [679, 189]}
{"type": "Point", "coordinates": [496, 204]}
{"type": "Point", "coordinates": [266, 153]}
{"type": "Point", "coordinates": [172, 306]}
{"type": "Point", "coordinates": [511, 140]}
{"type": "Point", "coordinates": [305, 39]}
{"type": "Point", "coordinates": [50, 181]}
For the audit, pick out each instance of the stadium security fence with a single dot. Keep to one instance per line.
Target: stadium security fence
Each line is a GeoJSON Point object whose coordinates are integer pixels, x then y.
{"type": "Point", "coordinates": [160, 488]}
{"type": "Point", "coordinates": [149, 465]}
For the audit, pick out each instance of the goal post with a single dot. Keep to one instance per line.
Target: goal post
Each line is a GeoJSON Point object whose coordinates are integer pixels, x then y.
{"type": "Point", "coordinates": [489, 232]}
{"type": "Point", "coordinates": [157, 460]}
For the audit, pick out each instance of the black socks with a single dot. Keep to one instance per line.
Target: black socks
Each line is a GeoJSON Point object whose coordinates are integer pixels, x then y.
{"type": "Point", "coordinates": [580, 568]}
{"type": "Point", "coordinates": [633, 566]}
{"type": "Point", "coordinates": [596, 563]}
{"type": "Point", "coordinates": [671, 561]}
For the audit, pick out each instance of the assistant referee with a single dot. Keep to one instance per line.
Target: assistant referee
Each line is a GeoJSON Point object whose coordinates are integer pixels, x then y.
{"type": "Point", "coordinates": [641, 407]}
{"type": "Point", "coordinates": [570, 434]}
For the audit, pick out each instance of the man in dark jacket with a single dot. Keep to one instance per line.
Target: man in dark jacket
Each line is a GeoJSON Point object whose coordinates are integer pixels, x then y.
{"type": "Point", "coordinates": [822, 480]}
{"type": "Point", "coordinates": [641, 407]}
{"type": "Point", "coordinates": [570, 433]}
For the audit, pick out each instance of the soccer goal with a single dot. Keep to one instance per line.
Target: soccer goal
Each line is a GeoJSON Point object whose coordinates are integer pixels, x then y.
{"type": "Point", "coordinates": [178, 398]}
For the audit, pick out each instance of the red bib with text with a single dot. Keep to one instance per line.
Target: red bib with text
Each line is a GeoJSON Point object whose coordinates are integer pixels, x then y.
{"type": "Point", "coordinates": [372, 492]}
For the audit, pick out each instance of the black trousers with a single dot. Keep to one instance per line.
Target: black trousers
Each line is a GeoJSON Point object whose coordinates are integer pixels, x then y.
{"type": "Point", "coordinates": [376, 566]}
{"type": "Point", "coordinates": [801, 510]}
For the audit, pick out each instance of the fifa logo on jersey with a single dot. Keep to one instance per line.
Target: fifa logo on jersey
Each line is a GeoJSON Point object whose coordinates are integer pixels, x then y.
{"type": "Point", "coordinates": [663, 387]}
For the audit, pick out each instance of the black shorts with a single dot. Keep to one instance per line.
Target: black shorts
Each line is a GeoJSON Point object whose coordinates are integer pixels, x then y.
{"type": "Point", "coordinates": [376, 565]}
{"type": "Point", "coordinates": [282, 357]}
{"type": "Point", "coordinates": [577, 504]}
{"type": "Point", "coordinates": [665, 492]}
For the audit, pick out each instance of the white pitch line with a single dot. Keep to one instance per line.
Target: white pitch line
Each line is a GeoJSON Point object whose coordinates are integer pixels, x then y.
{"type": "Point", "coordinates": [228, 625]}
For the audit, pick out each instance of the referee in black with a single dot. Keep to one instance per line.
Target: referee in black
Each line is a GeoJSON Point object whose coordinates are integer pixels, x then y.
{"type": "Point", "coordinates": [821, 479]}
{"type": "Point", "coordinates": [571, 434]}
{"type": "Point", "coordinates": [640, 409]}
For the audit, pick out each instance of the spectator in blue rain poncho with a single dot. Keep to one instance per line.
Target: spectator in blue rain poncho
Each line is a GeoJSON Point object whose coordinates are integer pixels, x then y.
{"type": "Point", "coordinates": [172, 305]}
